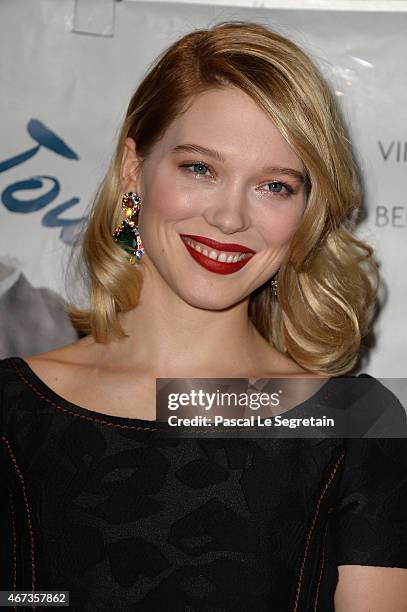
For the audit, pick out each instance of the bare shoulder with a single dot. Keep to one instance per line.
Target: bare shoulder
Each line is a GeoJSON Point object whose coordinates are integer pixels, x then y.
{"type": "Point", "coordinates": [296, 383]}
{"type": "Point", "coordinates": [286, 367]}
{"type": "Point", "coordinates": [69, 370]}
{"type": "Point", "coordinates": [83, 374]}
{"type": "Point", "coordinates": [60, 360]}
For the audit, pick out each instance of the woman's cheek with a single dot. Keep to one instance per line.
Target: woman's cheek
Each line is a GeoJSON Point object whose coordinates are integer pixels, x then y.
{"type": "Point", "coordinates": [279, 229]}
{"type": "Point", "coordinates": [170, 202]}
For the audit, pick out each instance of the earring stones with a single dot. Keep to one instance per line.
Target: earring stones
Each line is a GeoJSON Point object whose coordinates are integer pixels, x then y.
{"type": "Point", "coordinates": [273, 287]}
{"type": "Point", "coordinates": [126, 234]}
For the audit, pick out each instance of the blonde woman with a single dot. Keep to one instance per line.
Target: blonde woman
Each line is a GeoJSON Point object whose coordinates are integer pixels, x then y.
{"type": "Point", "coordinates": [220, 244]}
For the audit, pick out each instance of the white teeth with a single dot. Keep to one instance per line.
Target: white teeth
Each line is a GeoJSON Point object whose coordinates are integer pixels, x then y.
{"type": "Point", "coordinates": [222, 256]}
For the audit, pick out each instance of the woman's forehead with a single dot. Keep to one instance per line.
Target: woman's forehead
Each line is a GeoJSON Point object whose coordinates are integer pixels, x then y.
{"type": "Point", "coordinates": [230, 123]}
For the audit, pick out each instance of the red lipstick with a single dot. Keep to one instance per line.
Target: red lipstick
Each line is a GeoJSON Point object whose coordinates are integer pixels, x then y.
{"type": "Point", "coordinates": [219, 267]}
{"type": "Point", "coordinates": [220, 246]}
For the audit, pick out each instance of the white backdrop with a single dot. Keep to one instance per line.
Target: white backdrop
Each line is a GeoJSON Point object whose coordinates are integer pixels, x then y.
{"type": "Point", "coordinates": [65, 83]}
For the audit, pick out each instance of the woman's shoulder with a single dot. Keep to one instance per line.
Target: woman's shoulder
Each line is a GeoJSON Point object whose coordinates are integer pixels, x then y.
{"type": "Point", "coordinates": [373, 408]}
{"type": "Point", "coordinates": [50, 364]}
{"type": "Point", "coordinates": [76, 376]}
{"type": "Point", "coordinates": [54, 368]}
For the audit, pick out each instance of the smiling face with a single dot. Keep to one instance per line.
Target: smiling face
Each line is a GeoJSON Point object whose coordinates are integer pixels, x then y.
{"type": "Point", "coordinates": [250, 195]}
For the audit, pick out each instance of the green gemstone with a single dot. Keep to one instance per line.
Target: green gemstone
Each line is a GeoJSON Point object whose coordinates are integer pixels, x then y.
{"type": "Point", "coordinates": [126, 239]}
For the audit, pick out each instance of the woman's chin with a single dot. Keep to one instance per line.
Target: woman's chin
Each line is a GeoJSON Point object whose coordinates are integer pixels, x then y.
{"type": "Point", "coordinates": [211, 301]}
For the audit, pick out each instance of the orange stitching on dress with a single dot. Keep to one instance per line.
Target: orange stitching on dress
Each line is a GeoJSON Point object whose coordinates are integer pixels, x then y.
{"type": "Point", "coordinates": [322, 563]}
{"type": "Point", "coordinates": [324, 490]}
{"type": "Point", "coordinates": [30, 529]}
{"type": "Point", "coordinates": [14, 547]}
{"type": "Point", "coordinates": [82, 416]}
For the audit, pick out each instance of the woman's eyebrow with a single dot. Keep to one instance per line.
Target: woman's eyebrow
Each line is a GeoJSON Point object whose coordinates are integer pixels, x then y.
{"type": "Point", "coordinates": [297, 174]}
{"type": "Point", "coordinates": [199, 149]}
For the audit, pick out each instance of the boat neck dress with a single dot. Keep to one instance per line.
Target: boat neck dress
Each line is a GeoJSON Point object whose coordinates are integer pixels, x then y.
{"type": "Point", "coordinates": [128, 519]}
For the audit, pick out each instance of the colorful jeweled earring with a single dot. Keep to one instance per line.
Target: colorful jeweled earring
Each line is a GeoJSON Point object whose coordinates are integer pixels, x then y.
{"type": "Point", "coordinates": [127, 233]}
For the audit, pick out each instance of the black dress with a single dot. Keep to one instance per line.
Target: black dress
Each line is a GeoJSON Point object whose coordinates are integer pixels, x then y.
{"type": "Point", "coordinates": [127, 519]}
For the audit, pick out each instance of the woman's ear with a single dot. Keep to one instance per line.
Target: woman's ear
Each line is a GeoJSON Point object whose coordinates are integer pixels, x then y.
{"type": "Point", "coordinates": [130, 168]}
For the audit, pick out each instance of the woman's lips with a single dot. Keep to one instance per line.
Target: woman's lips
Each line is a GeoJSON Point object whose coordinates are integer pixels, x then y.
{"type": "Point", "coordinates": [219, 267]}
{"type": "Point", "coordinates": [219, 246]}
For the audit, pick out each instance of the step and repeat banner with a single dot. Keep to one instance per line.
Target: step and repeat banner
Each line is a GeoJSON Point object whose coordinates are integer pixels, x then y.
{"type": "Point", "coordinates": [66, 75]}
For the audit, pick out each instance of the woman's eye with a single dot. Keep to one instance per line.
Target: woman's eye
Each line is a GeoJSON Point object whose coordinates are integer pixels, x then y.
{"type": "Point", "coordinates": [280, 188]}
{"type": "Point", "coordinates": [198, 168]}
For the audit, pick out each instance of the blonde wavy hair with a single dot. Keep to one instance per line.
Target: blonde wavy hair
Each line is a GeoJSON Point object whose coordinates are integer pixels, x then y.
{"type": "Point", "coordinates": [328, 282]}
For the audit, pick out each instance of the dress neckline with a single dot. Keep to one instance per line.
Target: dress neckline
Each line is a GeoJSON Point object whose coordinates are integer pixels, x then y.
{"type": "Point", "coordinates": [20, 364]}
{"type": "Point", "coordinates": [25, 369]}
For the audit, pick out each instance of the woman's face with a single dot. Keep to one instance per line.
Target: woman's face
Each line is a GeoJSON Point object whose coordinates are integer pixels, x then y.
{"type": "Point", "coordinates": [250, 194]}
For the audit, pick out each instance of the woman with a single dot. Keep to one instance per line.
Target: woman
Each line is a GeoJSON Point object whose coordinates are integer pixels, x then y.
{"type": "Point", "coordinates": [232, 149]}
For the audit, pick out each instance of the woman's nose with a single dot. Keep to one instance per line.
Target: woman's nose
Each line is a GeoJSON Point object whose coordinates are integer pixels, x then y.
{"type": "Point", "coordinates": [228, 212]}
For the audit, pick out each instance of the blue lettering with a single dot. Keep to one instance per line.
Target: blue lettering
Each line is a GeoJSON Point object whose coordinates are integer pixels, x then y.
{"type": "Point", "coordinates": [27, 206]}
